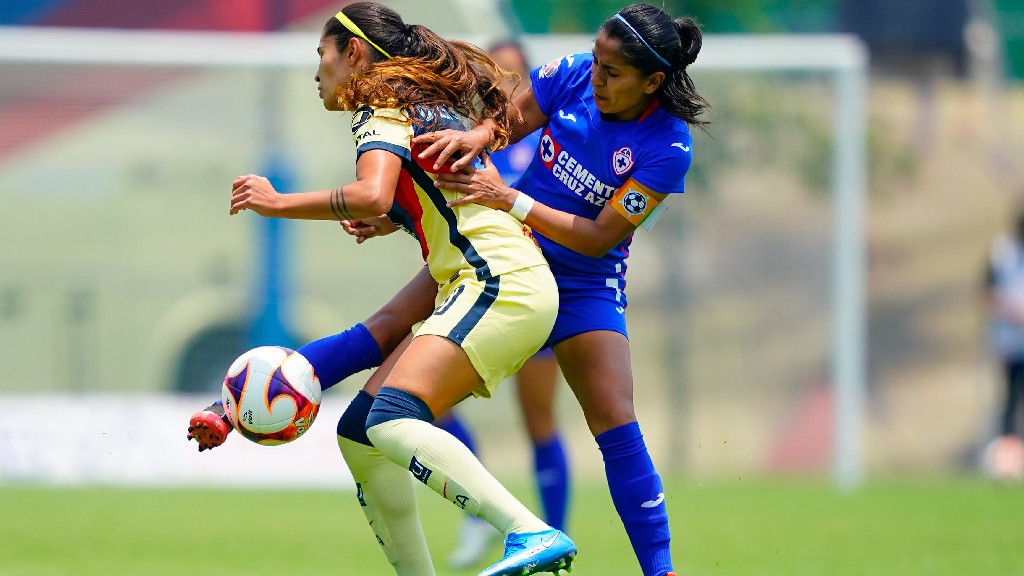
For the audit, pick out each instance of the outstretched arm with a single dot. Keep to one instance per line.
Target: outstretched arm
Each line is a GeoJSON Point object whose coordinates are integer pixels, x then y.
{"type": "Point", "coordinates": [592, 238]}
{"type": "Point", "coordinates": [370, 195]}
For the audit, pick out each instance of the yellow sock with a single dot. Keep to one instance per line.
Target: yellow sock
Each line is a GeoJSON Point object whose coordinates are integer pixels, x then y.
{"type": "Point", "coordinates": [388, 499]}
{"type": "Point", "coordinates": [444, 464]}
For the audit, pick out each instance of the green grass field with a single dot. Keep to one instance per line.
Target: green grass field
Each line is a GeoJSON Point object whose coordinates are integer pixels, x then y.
{"type": "Point", "coordinates": [956, 527]}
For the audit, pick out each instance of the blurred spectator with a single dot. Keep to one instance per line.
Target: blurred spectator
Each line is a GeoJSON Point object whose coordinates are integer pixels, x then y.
{"type": "Point", "coordinates": [1004, 300]}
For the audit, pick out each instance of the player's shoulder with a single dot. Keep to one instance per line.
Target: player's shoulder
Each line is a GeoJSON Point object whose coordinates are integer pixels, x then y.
{"type": "Point", "coordinates": [570, 68]}
{"type": "Point", "coordinates": [433, 117]}
{"type": "Point", "coordinates": [365, 113]}
{"type": "Point", "coordinates": [665, 135]}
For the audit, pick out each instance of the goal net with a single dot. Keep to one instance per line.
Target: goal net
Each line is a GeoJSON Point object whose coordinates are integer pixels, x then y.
{"type": "Point", "coordinates": [122, 271]}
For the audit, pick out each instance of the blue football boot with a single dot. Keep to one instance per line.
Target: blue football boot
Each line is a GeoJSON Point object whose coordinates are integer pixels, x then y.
{"type": "Point", "coordinates": [533, 552]}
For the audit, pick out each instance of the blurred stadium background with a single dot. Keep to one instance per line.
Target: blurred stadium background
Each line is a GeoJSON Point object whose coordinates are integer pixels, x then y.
{"type": "Point", "coordinates": [766, 348]}
{"type": "Point", "coordinates": [125, 288]}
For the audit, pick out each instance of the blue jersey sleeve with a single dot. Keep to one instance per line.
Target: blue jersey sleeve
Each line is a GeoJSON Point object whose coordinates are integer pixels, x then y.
{"type": "Point", "coordinates": [665, 161]}
{"type": "Point", "coordinates": [559, 80]}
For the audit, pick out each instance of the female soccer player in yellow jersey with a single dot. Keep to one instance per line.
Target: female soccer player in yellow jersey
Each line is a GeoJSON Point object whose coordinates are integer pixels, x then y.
{"type": "Point", "coordinates": [496, 301]}
{"type": "Point", "coordinates": [615, 145]}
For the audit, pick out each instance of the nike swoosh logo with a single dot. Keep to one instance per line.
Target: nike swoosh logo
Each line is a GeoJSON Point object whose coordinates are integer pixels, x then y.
{"type": "Point", "coordinates": [681, 146]}
{"type": "Point", "coordinates": [547, 543]}
{"type": "Point", "coordinates": [564, 116]}
{"type": "Point", "coordinates": [654, 503]}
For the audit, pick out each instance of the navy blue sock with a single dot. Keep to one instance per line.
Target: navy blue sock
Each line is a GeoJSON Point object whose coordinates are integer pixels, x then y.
{"type": "Point", "coordinates": [352, 424]}
{"type": "Point", "coordinates": [638, 496]}
{"type": "Point", "coordinates": [337, 357]}
{"type": "Point", "coordinates": [455, 426]}
{"type": "Point", "coordinates": [551, 469]}
{"type": "Point", "coordinates": [394, 404]}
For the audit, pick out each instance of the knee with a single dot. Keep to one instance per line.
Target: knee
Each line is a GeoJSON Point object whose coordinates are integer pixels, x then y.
{"type": "Point", "coordinates": [394, 404]}
{"type": "Point", "coordinates": [352, 424]}
{"type": "Point", "coordinates": [609, 412]}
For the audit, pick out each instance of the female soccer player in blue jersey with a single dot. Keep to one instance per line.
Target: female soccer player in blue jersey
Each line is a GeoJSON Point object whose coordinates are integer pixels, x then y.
{"type": "Point", "coordinates": [615, 144]}
{"type": "Point", "coordinates": [495, 295]}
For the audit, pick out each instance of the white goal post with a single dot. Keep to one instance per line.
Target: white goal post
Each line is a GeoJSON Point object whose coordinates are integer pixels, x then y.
{"type": "Point", "coordinates": [843, 58]}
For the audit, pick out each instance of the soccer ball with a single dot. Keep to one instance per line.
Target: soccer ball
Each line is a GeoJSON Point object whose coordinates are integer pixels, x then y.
{"type": "Point", "coordinates": [271, 395]}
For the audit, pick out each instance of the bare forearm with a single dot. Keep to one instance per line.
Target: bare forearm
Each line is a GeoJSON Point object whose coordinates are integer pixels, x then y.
{"type": "Point", "coordinates": [577, 233]}
{"type": "Point", "coordinates": [346, 203]}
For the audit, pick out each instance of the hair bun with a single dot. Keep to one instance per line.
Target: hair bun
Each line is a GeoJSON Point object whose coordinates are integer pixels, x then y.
{"type": "Point", "coordinates": [690, 39]}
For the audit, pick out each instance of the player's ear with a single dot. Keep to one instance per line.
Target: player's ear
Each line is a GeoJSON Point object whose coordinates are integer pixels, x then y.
{"type": "Point", "coordinates": [353, 51]}
{"type": "Point", "coordinates": [654, 81]}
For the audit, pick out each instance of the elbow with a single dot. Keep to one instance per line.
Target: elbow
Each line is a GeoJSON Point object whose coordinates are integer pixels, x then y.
{"type": "Point", "coordinates": [380, 205]}
{"type": "Point", "coordinates": [373, 204]}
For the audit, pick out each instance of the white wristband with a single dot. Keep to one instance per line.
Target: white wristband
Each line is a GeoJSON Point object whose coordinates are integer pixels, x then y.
{"type": "Point", "coordinates": [521, 207]}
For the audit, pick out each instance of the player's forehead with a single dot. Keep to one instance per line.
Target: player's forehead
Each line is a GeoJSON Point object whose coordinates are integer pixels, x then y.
{"type": "Point", "coordinates": [327, 43]}
{"type": "Point", "coordinates": [607, 52]}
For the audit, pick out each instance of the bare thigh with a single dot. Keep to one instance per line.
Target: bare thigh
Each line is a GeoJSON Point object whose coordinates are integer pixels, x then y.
{"type": "Point", "coordinates": [435, 370]}
{"type": "Point", "coordinates": [412, 304]}
{"type": "Point", "coordinates": [596, 366]}
{"type": "Point", "coordinates": [536, 383]}
{"type": "Point", "coordinates": [376, 380]}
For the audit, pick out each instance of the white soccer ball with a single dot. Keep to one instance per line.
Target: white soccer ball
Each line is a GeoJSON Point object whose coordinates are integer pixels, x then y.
{"type": "Point", "coordinates": [271, 395]}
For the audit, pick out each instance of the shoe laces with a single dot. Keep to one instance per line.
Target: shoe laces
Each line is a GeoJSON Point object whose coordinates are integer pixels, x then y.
{"type": "Point", "coordinates": [514, 543]}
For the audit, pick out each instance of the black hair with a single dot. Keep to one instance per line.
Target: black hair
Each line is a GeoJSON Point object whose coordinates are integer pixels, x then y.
{"type": "Point", "coordinates": [652, 42]}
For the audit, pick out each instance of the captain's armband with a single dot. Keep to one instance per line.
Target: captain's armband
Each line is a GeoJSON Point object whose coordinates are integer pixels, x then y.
{"type": "Point", "coordinates": [635, 202]}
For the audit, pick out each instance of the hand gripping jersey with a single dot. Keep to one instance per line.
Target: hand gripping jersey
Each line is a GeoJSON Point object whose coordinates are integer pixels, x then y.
{"type": "Point", "coordinates": [582, 161]}
{"type": "Point", "coordinates": [490, 242]}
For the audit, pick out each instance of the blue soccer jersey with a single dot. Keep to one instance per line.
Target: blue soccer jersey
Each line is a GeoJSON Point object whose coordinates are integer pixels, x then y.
{"type": "Point", "coordinates": [583, 160]}
{"type": "Point", "coordinates": [511, 160]}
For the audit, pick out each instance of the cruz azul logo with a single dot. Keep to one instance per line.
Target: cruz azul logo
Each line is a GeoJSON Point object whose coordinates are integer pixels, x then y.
{"type": "Point", "coordinates": [572, 173]}
{"type": "Point", "coordinates": [622, 160]}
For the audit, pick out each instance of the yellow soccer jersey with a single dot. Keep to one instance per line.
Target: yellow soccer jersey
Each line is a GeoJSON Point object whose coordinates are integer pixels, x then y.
{"type": "Point", "coordinates": [491, 242]}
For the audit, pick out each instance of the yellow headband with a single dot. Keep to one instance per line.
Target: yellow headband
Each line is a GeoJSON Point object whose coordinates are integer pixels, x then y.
{"type": "Point", "coordinates": [348, 23]}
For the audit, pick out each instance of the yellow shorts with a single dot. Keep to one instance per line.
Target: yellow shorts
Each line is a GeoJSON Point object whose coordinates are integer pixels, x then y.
{"type": "Point", "coordinates": [499, 322]}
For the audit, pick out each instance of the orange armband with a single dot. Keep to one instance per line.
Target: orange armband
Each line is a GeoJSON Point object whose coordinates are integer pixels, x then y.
{"type": "Point", "coordinates": [634, 201]}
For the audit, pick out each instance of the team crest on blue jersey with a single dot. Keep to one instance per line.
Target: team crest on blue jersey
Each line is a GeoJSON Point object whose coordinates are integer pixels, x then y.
{"type": "Point", "coordinates": [622, 160]}
{"type": "Point", "coordinates": [549, 69]}
{"type": "Point", "coordinates": [547, 148]}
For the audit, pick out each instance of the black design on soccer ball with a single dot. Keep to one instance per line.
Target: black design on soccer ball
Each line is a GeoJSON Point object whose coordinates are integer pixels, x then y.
{"type": "Point", "coordinates": [634, 202]}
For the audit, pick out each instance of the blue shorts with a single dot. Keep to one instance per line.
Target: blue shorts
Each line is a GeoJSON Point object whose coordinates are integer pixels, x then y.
{"type": "Point", "coordinates": [586, 305]}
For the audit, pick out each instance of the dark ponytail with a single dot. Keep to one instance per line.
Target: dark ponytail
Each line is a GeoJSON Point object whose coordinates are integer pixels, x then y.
{"type": "Point", "coordinates": [652, 42]}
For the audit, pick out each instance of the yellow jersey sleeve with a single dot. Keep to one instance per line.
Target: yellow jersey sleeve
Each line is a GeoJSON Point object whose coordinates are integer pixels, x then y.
{"type": "Point", "coordinates": [382, 128]}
